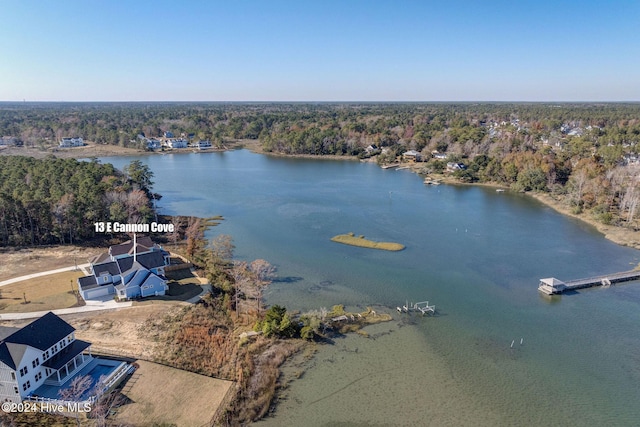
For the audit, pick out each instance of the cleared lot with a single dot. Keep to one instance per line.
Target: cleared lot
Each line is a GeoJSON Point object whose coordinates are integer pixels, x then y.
{"type": "Point", "coordinates": [160, 394]}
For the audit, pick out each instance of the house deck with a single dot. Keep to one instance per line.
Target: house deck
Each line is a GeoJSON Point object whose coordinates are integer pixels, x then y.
{"type": "Point", "coordinates": [95, 369]}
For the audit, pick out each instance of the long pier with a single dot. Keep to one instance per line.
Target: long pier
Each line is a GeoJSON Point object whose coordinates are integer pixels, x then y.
{"type": "Point", "coordinates": [553, 286]}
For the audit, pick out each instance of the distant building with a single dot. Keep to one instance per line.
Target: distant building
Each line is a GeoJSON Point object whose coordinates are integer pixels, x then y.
{"type": "Point", "coordinates": [176, 143]}
{"type": "Point", "coordinates": [168, 134]}
{"type": "Point", "coordinates": [371, 148]}
{"type": "Point", "coordinates": [453, 166]}
{"type": "Point", "coordinates": [153, 144]}
{"type": "Point", "coordinates": [412, 156]}
{"type": "Point", "coordinates": [9, 140]}
{"type": "Point", "coordinates": [203, 144]}
{"type": "Point", "coordinates": [71, 142]}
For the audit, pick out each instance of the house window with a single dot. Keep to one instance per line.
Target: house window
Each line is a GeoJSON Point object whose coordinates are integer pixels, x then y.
{"type": "Point", "coordinates": [45, 355]}
{"type": "Point", "coordinates": [55, 348]}
{"type": "Point", "coordinates": [13, 375]}
{"type": "Point", "coordinates": [35, 362]}
{"type": "Point", "coordinates": [62, 344]}
{"type": "Point", "coordinates": [16, 390]}
{"type": "Point", "coordinates": [38, 376]}
{"type": "Point", "coordinates": [26, 385]}
{"type": "Point", "coordinates": [23, 371]}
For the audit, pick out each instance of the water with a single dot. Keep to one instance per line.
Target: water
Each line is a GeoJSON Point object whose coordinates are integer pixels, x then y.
{"type": "Point", "coordinates": [475, 253]}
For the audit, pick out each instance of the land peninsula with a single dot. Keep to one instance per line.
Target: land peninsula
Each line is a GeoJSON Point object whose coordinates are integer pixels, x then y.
{"type": "Point", "coordinates": [360, 241]}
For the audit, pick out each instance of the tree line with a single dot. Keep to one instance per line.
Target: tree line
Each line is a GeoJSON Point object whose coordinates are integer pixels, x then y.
{"type": "Point", "coordinates": [57, 201]}
{"type": "Point", "coordinates": [574, 151]}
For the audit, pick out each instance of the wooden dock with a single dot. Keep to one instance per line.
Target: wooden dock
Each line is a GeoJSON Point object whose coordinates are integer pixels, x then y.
{"type": "Point", "coordinates": [422, 307]}
{"type": "Point", "coordinates": [553, 286]}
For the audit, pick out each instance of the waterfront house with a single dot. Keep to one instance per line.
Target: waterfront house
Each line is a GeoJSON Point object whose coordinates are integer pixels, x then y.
{"type": "Point", "coordinates": [140, 282]}
{"type": "Point", "coordinates": [71, 142]}
{"type": "Point", "coordinates": [116, 270]}
{"type": "Point", "coordinates": [411, 156]}
{"type": "Point", "coordinates": [176, 143]}
{"type": "Point", "coordinates": [153, 144]}
{"type": "Point", "coordinates": [203, 144]}
{"type": "Point", "coordinates": [43, 352]}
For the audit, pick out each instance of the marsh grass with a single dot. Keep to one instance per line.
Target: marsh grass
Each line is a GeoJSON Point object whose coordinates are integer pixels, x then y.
{"type": "Point", "coordinates": [350, 239]}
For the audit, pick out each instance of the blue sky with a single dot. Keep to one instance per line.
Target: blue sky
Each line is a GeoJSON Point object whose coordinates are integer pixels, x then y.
{"type": "Point", "coordinates": [235, 50]}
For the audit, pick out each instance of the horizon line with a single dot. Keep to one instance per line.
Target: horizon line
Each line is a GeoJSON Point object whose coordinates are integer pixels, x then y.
{"type": "Point", "coordinates": [325, 102]}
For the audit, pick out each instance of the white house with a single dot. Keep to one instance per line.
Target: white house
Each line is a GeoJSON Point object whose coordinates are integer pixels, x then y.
{"type": "Point", "coordinates": [71, 142]}
{"type": "Point", "coordinates": [203, 144]}
{"type": "Point", "coordinates": [176, 143]}
{"type": "Point", "coordinates": [43, 352]}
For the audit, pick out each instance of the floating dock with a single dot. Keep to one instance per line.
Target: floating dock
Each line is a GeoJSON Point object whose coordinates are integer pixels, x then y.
{"type": "Point", "coordinates": [553, 286]}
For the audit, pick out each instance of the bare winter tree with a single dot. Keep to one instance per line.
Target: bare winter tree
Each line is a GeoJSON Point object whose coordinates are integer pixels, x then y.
{"type": "Point", "coordinates": [74, 392]}
{"type": "Point", "coordinates": [263, 275]}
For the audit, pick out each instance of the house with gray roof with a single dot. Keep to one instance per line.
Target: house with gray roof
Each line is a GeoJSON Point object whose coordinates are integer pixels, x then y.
{"type": "Point", "coordinates": [113, 272]}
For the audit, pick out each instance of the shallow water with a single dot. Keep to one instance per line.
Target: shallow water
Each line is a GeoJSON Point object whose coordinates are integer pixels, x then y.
{"type": "Point", "coordinates": [475, 253]}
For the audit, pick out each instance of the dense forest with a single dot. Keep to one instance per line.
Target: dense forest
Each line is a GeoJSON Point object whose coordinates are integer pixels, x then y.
{"type": "Point", "coordinates": [585, 154]}
{"type": "Point", "coordinates": [56, 201]}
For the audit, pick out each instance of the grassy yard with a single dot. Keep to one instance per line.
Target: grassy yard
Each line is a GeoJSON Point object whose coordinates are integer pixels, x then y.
{"type": "Point", "coordinates": [183, 285]}
{"type": "Point", "coordinates": [54, 291]}
{"type": "Point", "coordinates": [42, 293]}
{"type": "Point", "coordinates": [161, 394]}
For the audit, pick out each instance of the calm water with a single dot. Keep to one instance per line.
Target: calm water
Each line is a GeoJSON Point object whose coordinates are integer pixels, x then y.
{"type": "Point", "coordinates": [475, 253]}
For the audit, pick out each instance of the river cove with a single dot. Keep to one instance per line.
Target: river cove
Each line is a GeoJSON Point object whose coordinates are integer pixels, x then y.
{"type": "Point", "coordinates": [474, 253]}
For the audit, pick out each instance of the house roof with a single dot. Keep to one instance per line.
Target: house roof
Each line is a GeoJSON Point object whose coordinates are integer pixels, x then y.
{"type": "Point", "coordinates": [139, 277]}
{"type": "Point", "coordinates": [552, 281]}
{"type": "Point", "coordinates": [11, 354]}
{"type": "Point", "coordinates": [66, 354]}
{"type": "Point", "coordinates": [100, 258]}
{"type": "Point", "coordinates": [144, 244]}
{"type": "Point", "coordinates": [151, 260]}
{"type": "Point", "coordinates": [41, 334]}
{"type": "Point", "coordinates": [87, 282]}
{"type": "Point", "coordinates": [148, 260]}
{"type": "Point", "coordinates": [5, 331]}
{"type": "Point", "coordinates": [108, 267]}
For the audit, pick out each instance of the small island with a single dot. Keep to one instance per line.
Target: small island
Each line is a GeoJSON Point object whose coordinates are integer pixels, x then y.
{"type": "Point", "coordinates": [351, 239]}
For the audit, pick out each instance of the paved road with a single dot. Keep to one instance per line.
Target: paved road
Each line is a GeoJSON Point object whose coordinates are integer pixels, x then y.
{"type": "Point", "coordinates": [107, 304]}
{"type": "Point", "coordinates": [93, 306]}
{"type": "Point", "coordinates": [43, 273]}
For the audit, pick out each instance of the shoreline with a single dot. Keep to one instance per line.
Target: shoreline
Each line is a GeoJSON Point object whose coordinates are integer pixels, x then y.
{"type": "Point", "coordinates": [254, 146]}
{"type": "Point", "coordinates": [100, 150]}
{"type": "Point", "coordinates": [617, 234]}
